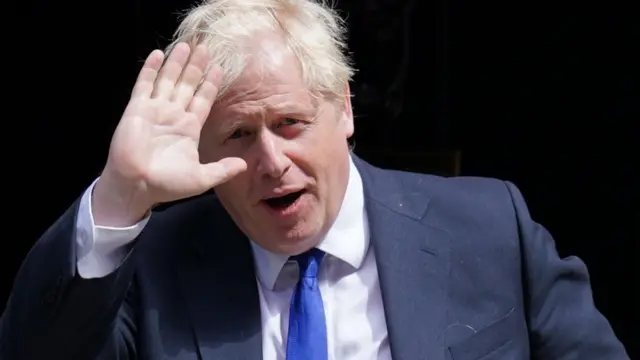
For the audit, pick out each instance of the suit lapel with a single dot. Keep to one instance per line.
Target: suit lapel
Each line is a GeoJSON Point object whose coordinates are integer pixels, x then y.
{"type": "Point", "coordinates": [221, 292]}
{"type": "Point", "coordinates": [413, 264]}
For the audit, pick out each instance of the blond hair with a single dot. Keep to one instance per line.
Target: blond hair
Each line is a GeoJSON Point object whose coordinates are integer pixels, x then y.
{"type": "Point", "coordinates": [312, 30]}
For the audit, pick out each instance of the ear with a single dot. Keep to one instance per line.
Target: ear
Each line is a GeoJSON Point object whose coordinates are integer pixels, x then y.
{"type": "Point", "coordinates": [347, 114]}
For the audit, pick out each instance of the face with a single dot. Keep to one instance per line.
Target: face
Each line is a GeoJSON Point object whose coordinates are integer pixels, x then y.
{"type": "Point", "coordinates": [295, 146]}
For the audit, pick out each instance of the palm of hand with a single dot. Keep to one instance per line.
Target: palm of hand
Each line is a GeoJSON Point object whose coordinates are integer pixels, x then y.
{"type": "Point", "coordinates": [156, 143]}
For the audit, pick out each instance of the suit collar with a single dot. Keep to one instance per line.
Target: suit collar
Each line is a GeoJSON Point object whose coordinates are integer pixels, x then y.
{"type": "Point", "coordinates": [388, 189]}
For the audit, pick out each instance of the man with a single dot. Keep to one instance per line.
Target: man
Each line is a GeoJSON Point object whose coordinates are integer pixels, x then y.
{"type": "Point", "coordinates": [304, 251]}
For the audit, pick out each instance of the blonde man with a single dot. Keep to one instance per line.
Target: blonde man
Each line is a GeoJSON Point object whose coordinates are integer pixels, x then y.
{"type": "Point", "coordinates": [302, 250]}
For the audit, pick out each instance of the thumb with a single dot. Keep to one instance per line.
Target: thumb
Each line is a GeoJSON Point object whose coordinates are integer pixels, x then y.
{"type": "Point", "coordinates": [218, 172]}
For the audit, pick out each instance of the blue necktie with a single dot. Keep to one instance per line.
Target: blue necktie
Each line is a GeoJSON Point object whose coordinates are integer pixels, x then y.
{"type": "Point", "coordinates": [307, 338]}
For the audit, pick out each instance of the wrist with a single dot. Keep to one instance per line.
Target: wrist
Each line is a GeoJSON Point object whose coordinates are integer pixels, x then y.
{"type": "Point", "coordinates": [117, 203]}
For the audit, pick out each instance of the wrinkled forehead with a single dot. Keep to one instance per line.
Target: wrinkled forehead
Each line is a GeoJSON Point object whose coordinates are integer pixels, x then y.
{"type": "Point", "coordinates": [271, 80]}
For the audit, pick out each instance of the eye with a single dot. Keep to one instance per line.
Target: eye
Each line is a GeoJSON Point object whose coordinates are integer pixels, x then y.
{"type": "Point", "coordinates": [288, 122]}
{"type": "Point", "coordinates": [238, 133]}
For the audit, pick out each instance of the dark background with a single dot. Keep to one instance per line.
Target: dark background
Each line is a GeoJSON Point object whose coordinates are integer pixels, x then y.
{"type": "Point", "coordinates": [532, 92]}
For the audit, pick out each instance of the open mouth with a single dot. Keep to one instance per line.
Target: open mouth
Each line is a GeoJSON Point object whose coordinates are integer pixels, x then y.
{"type": "Point", "coordinates": [283, 202]}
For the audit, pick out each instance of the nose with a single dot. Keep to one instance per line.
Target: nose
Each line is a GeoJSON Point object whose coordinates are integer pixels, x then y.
{"type": "Point", "coordinates": [272, 161]}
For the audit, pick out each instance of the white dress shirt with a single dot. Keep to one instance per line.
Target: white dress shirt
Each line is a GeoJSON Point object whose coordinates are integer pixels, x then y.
{"type": "Point", "coordinates": [348, 279]}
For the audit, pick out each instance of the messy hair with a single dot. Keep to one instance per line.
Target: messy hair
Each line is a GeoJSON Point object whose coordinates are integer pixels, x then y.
{"type": "Point", "coordinates": [313, 31]}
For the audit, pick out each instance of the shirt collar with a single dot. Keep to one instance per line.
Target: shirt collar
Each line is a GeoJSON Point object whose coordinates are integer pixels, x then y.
{"type": "Point", "coordinates": [347, 239]}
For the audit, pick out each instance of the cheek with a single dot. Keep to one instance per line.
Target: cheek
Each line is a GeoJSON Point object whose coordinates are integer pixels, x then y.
{"type": "Point", "coordinates": [234, 192]}
{"type": "Point", "coordinates": [212, 152]}
{"type": "Point", "coordinates": [209, 151]}
{"type": "Point", "coordinates": [205, 146]}
{"type": "Point", "coordinates": [318, 150]}
{"type": "Point", "coordinates": [305, 157]}
{"type": "Point", "coordinates": [206, 154]}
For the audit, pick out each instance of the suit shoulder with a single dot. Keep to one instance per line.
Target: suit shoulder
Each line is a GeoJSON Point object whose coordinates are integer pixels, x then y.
{"type": "Point", "coordinates": [479, 199]}
{"type": "Point", "coordinates": [457, 186]}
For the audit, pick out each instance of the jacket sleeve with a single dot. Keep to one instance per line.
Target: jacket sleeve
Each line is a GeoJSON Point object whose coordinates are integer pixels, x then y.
{"type": "Point", "coordinates": [564, 323]}
{"type": "Point", "coordinates": [53, 313]}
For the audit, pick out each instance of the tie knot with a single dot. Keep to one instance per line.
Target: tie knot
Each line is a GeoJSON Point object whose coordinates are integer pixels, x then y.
{"type": "Point", "coordinates": [309, 262]}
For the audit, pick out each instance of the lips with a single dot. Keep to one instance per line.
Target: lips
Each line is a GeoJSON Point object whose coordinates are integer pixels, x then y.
{"type": "Point", "coordinates": [284, 201]}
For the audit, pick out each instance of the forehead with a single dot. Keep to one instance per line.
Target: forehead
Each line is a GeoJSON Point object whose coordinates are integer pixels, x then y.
{"type": "Point", "coordinates": [271, 80]}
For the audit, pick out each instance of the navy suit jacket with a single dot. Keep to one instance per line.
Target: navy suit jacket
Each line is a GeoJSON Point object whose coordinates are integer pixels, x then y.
{"type": "Point", "coordinates": [465, 274]}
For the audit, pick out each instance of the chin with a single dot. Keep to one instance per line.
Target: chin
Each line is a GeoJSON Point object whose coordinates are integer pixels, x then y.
{"type": "Point", "coordinates": [294, 240]}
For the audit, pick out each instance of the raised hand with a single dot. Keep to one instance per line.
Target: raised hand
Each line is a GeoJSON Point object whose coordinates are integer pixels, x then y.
{"type": "Point", "coordinates": [153, 156]}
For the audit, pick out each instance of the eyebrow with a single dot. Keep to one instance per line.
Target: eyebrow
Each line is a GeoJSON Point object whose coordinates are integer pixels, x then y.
{"type": "Point", "coordinates": [293, 108]}
{"type": "Point", "coordinates": [230, 126]}
{"type": "Point", "coordinates": [289, 108]}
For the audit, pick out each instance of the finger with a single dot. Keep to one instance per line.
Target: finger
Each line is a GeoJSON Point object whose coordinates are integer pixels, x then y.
{"type": "Point", "coordinates": [219, 172]}
{"type": "Point", "coordinates": [206, 94]}
{"type": "Point", "coordinates": [191, 76]}
{"type": "Point", "coordinates": [170, 72]}
{"type": "Point", "coordinates": [148, 74]}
